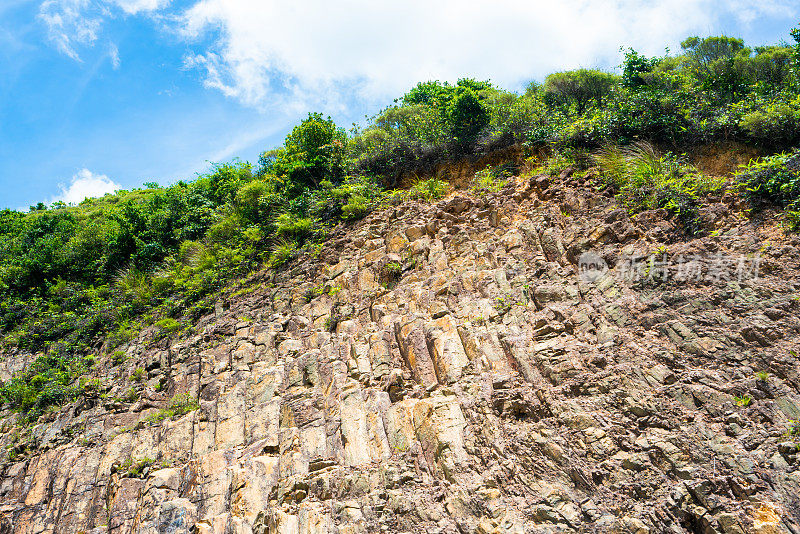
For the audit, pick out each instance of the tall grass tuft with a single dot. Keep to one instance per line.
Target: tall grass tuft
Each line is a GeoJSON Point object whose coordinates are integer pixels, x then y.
{"type": "Point", "coordinates": [646, 179]}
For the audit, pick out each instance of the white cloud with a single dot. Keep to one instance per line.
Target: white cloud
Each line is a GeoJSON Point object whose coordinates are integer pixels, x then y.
{"type": "Point", "coordinates": [72, 24]}
{"type": "Point", "coordinates": [263, 49]}
{"type": "Point", "coordinates": [85, 184]}
{"type": "Point", "coordinates": [749, 11]}
{"type": "Point", "coordinates": [133, 7]}
{"type": "Point", "coordinates": [279, 54]}
{"type": "Point", "coordinates": [69, 25]}
{"type": "Point", "coordinates": [113, 54]}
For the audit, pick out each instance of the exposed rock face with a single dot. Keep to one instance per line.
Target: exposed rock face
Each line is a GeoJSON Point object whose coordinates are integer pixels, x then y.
{"type": "Point", "coordinates": [495, 385]}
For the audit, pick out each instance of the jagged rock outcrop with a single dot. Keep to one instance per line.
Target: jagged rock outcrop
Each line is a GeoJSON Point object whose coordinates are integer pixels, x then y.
{"type": "Point", "coordinates": [489, 384]}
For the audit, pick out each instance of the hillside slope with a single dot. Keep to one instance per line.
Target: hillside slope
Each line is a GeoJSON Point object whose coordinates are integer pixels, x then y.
{"type": "Point", "coordinates": [453, 367]}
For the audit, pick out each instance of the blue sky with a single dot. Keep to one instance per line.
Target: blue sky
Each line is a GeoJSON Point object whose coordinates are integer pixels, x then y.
{"type": "Point", "coordinates": [104, 94]}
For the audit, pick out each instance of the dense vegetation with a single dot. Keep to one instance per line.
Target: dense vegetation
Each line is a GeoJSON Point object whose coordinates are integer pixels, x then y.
{"type": "Point", "coordinates": [81, 279]}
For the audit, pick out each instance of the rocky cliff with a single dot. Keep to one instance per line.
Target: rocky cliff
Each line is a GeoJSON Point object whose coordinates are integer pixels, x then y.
{"type": "Point", "coordinates": [531, 360]}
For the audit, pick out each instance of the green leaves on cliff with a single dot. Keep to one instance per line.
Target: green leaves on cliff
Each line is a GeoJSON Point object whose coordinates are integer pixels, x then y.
{"type": "Point", "coordinates": [86, 278]}
{"type": "Point", "coordinates": [645, 179]}
{"type": "Point", "coordinates": [775, 180]}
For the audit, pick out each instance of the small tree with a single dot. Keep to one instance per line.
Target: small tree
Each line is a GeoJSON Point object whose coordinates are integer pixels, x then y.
{"type": "Point", "coordinates": [771, 67]}
{"type": "Point", "coordinates": [634, 65]}
{"type": "Point", "coordinates": [795, 33]}
{"type": "Point", "coordinates": [312, 152]}
{"type": "Point", "coordinates": [708, 51]}
{"type": "Point", "coordinates": [579, 87]}
{"type": "Point", "coordinates": [467, 115]}
{"type": "Point", "coordinates": [719, 63]}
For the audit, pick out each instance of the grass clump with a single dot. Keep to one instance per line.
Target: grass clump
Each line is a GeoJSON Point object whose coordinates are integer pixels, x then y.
{"type": "Point", "coordinates": [178, 405]}
{"type": "Point", "coordinates": [117, 357]}
{"type": "Point", "coordinates": [130, 395]}
{"type": "Point", "coordinates": [314, 292]}
{"type": "Point", "coordinates": [645, 179]}
{"type": "Point", "coordinates": [503, 305]}
{"type": "Point", "coordinates": [168, 325]}
{"type": "Point", "coordinates": [393, 269]}
{"type": "Point", "coordinates": [492, 179]}
{"type": "Point", "coordinates": [794, 429]}
{"type": "Point", "coordinates": [331, 322]}
{"type": "Point", "coordinates": [429, 190]}
{"type": "Point", "coordinates": [289, 226]}
{"type": "Point", "coordinates": [282, 253]}
{"type": "Point", "coordinates": [134, 467]}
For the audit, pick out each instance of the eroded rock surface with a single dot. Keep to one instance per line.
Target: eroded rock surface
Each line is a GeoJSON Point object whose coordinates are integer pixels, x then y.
{"type": "Point", "coordinates": [489, 387]}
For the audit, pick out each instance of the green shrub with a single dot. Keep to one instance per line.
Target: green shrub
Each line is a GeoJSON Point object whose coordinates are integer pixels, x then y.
{"type": "Point", "coordinates": [391, 273]}
{"type": "Point", "coordinates": [658, 116]}
{"type": "Point", "coordinates": [178, 405]}
{"type": "Point", "coordinates": [125, 331]}
{"type": "Point", "coordinates": [290, 226]}
{"type": "Point", "coordinates": [168, 325]}
{"type": "Point", "coordinates": [312, 152]}
{"type": "Point", "coordinates": [429, 190]}
{"type": "Point", "coordinates": [492, 179]}
{"type": "Point", "coordinates": [258, 200]}
{"type": "Point", "coordinates": [467, 115]}
{"type": "Point", "coordinates": [634, 66]}
{"type": "Point", "coordinates": [354, 198]}
{"type": "Point", "coordinates": [579, 88]}
{"type": "Point", "coordinates": [225, 230]}
{"type": "Point", "coordinates": [793, 218]}
{"type": "Point", "coordinates": [775, 180]}
{"type": "Point", "coordinates": [48, 381]}
{"type": "Point", "coordinates": [282, 253]}
{"type": "Point", "coordinates": [778, 124]}
{"type": "Point", "coordinates": [647, 180]}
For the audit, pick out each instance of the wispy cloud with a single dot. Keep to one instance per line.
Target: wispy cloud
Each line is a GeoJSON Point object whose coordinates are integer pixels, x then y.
{"type": "Point", "coordinates": [133, 7]}
{"type": "Point", "coordinates": [113, 54]}
{"type": "Point", "coordinates": [85, 184]}
{"type": "Point", "coordinates": [69, 24]}
{"type": "Point", "coordinates": [749, 11]}
{"type": "Point", "coordinates": [72, 24]}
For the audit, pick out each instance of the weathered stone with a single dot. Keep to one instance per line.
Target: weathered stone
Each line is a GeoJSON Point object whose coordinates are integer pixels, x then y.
{"type": "Point", "coordinates": [488, 388]}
